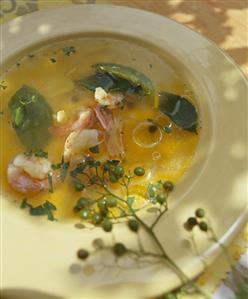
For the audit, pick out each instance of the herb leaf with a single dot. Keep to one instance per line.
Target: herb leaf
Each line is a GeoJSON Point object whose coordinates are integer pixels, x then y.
{"type": "Point", "coordinates": [31, 117]}
{"type": "Point", "coordinates": [46, 208]}
{"type": "Point", "coordinates": [179, 110]}
{"type": "Point", "coordinates": [50, 181]}
{"type": "Point", "coordinates": [134, 77]}
{"type": "Point", "coordinates": [69, 50]}
{"type": "Point", "coordinates": [63, 166]}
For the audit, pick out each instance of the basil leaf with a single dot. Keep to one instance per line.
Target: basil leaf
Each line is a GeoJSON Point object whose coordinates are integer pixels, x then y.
{"type": "Point", "coordinates": [134, 77]}
{"type": "Point", "coordinates": [31, 117]}
{"type": "Point", "coordinates": [97, 80]}
{"type": "Point", "coordinates": [179, 110]}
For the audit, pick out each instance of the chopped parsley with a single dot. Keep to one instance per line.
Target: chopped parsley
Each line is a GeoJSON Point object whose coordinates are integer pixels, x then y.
{"type": "Point", "coordinates": [50, 182]}
{"type": "Point", "coordinates": [47, 208]}
{"type": "Point", "coordinates": [53, 60]}
{"type": "Point", "coordinates": [63, 167]}
{"type": "Point", "coordinates": [69, 50]}
{"type": "Point", "coordinates": [37, 153]}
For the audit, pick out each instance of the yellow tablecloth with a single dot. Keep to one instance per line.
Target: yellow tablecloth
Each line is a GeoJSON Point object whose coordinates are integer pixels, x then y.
{"type": "Point", "coordinates": [223, 21]}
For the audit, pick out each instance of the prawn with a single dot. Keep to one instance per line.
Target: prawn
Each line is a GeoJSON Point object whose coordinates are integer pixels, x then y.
{"type": "Point", "coordinates": [108, 99]}
{"type": "Point", "coordinates": [29, 174]}
{"type": "Point", "coordinates": [85, 120]}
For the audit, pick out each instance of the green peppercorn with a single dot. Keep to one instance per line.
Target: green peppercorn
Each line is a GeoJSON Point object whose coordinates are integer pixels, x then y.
{"type": "Point", "coordinates": [200, 213]}
{"type": "Point", "coordinates": [79, 187]}
{"type": "Point", "coordinates": [107, 225]}
{"type": "Point", "coordinates": [111, 201]}
{"type": "Point", "coordinates": [97, 218]}
{"type": "Point", "coordinates": [139, 171]}
{"type": "Point", "coordinates": [190, 223]}
{"type": "Point", "coordinates": [119, 249]}
{"type": "Point", "coordinates": [83, 202]}
{"type": "Point", "coordinates": [118, 171]}
{"type": "Point", "coordinates": [161, 198]}
{"type": "Point", "coordinates": [168, 186]}
{"type": "Point", "coordinates": [106, 167]}
{"type": "Point", "coordinates": [102, 203]}
{"type": "Point", "coordinates": [84, 214]}
{"type": "Point", "coordinates": [203, 226]}
{"type": "Point", "coordinates": [113, 178]}
{"type": "Point", "coordinates": [133, 225]}
{"type": "Point", "coordinates": [82, 254]}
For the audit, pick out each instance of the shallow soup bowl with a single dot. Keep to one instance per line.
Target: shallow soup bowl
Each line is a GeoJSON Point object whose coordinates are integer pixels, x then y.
{"type": "Point", "coordinates": [37, 254]}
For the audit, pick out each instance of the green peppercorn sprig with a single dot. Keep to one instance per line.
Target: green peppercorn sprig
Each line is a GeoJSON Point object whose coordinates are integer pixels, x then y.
{"type": "Point", "coordinates": [110, 207]}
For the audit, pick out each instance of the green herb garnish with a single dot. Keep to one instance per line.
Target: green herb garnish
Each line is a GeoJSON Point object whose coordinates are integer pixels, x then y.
{"type": "Point", "coordinates": [179, 110]}
{"type": "Point", "coordinates": [134, 77]}
{"type": "Point", "coordinates": [50, 182]}
{"type": "Point", "coordinates": [69, 50]}
{"type": "Point", "coordinates": [53, 60]}
{"type": "Point", "coordinates": [37, 153]}
{"type": "Point", "coordinates": [63, 167]}
{"type": "Point", "coordinates": [47, 208]}
{"type": "Point", "coordinates": [31, 117]}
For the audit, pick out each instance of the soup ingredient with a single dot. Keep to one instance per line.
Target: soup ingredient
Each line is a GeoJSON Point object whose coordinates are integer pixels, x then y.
{"type": "Point", "coordinates": [133, 76]}
{"type": "Point", "coordinates": [139, 171]}
{"type": "Point", "coordinates": [179, 110]}
{"type": "Point", "coordinates": [78, 141]}
{"type": "Point", "coordinates": [168, 186]}
{"type": "Point", "coordinates": [31, 117]}
{"type": "Point", "coordinates": [108, 83]}
{"type": "Point", "coordinates": [108, 99]}
{"type": "Point", "coordinates": [85, 120]}
{"type": "Point", "coordinates": [68, 51]}
{"type": "Point", "coordinates": [29, 174]}
{"type": "Point", "coordinates": [82, 254]}
{"type": "Point", "coordinates": [47, 208]}
{"type": "Point", "coordinates": [200, 213]}
{"type": "Point", "coordinates": [61, 116]}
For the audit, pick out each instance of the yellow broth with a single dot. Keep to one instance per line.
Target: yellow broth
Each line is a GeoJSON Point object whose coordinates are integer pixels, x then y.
{"type": "Point", "coordinates": [53, 73]}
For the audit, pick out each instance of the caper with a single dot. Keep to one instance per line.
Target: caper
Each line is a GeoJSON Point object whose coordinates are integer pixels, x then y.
{"type": "Point", "coordinates": [200, 213]}
{"type": "Point", "coordinates": [168, 186]}
{"type": "Point", "coordinates": [119, 249]}
{"type": "Point", "coordinates": [190, 223]}
{"type": "Point", "coordinates": [107, 225]}
{"type": "Point", "coordinates": [82, 254]}
{"type": "Point", "coordinates": [161, 198]}
{"type": "Point", "coordinates": [139, 171]}
{"type": "Point", "coordinates": [133, 225]}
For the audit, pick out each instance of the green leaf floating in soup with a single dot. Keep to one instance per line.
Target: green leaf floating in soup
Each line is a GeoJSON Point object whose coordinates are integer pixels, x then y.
{"type": "Point", "coordinates": [179, 110]}
{"type": "Point", "coordinates": [134, 77]}
{"type": "Point", "coordinates": [31, 117]}
{"type": "Point", "coordinates": [108, 83]}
